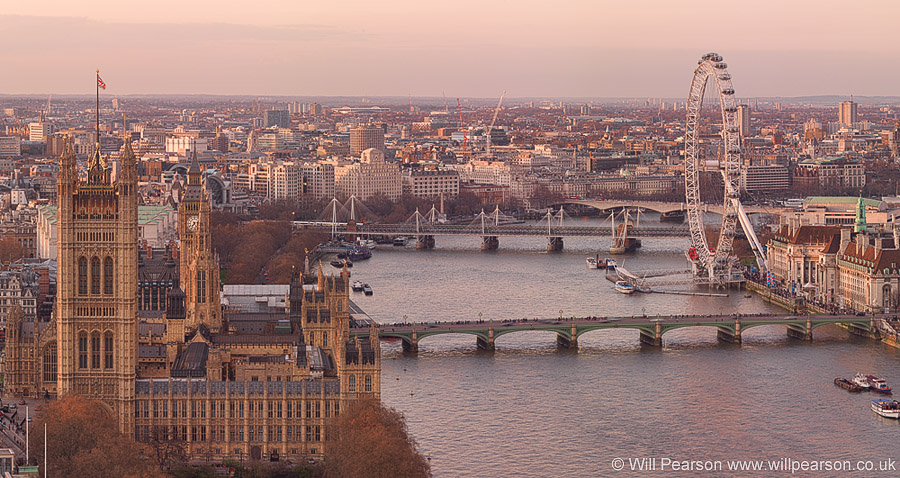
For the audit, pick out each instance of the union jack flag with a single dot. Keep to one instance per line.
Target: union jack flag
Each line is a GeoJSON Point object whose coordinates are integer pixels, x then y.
{"type": "Point", "coordinates": [100, 82]}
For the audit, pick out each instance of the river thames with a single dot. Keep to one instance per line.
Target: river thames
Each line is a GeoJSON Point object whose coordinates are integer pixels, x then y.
{"type": "Point", "coordinates": [529, 410]}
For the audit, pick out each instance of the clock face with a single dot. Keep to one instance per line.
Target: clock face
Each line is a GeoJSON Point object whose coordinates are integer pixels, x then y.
{"type": "Point", "coordinates": [192, 223]}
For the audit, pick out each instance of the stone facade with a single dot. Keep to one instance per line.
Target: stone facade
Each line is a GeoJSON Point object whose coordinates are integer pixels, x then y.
{"type": "Point", "coordinates": [224, 383]}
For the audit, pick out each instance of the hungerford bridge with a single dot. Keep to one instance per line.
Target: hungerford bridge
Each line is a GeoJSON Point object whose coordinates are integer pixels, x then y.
{"type": "Point", "coordinates": [728, 327]}
{"type": "Point", "coordinates": [424, 227]}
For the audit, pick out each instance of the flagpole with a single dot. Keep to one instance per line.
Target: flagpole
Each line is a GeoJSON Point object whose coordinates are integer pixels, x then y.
{"type": "Point", "coordinates": [98, 107]}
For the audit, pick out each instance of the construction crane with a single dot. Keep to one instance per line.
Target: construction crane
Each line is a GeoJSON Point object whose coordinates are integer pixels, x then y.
{"type": "Point", "coordinates": [493, 120]}
{"type": "Point", "coordinates": [462, 126]}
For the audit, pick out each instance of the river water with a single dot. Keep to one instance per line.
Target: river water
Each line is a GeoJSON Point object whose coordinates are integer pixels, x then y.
{"type": "Point", "coordinates": [529, 410]}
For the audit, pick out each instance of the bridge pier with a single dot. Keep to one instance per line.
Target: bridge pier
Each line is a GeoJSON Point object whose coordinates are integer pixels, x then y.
{"type": "Point", "coordinates": [486, 344]}
{"type": "Point", "coordinates": [554, 244]}
{"type": "Point", "coordinates": [489, 243]}
{"type": "Point", "coordinates": [564, 342]}
{"type": "Point", "coordinates": [425, 242]}
{"type": "Point", "coordinates": [411, 346]}
{"type": "Point", "coordinates": [727, 336]}
{"type": "Point", "coordinates": [652, 339]}
{"type": "Point", "coordinates": [856, 329]}
{"type": "Point", "coordinates": [799, 331]}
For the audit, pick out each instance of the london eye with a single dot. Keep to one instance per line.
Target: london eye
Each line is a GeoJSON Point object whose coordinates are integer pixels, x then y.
{"type": "Point", "coordinates": [715, 264]}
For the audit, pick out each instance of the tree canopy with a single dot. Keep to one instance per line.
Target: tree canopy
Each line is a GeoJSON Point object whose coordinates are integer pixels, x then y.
{"type": "Point", "coordinates": [83, 440]}
{"type": "Point", "coordinates": [369, 439]}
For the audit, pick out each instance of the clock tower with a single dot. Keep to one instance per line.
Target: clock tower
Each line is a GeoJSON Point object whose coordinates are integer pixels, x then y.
{"type": "Point", "coordinates": [188, 213]}
{"type": "Point", "coordinates": [199, 265]}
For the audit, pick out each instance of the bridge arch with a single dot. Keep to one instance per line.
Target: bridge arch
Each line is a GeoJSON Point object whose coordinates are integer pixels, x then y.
{"type": "Point", "coordinates": [591, 328]}
{"type": "Point", "coordinates": [425, 334]}
{"type": "Point", "coordinates": [729, 326]}
{"type": "Point", "coordinates": [557, 329]}
{"type": "Point", "coordinates": [660, 207]}
{"type": "Point", "coordinates": [863, 324]}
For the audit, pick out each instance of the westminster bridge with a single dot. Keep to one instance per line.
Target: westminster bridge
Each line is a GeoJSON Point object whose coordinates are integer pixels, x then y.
{"type": "Point", "coordinates": [729, 328]}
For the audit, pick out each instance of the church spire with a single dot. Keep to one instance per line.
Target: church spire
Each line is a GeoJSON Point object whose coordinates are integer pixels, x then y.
{"type": "Point", "coordinates": [860, 225]}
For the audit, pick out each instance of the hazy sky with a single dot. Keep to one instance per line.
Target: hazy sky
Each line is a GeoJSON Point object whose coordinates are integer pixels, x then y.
{"type": "Point", "coordinates": [592, 48]}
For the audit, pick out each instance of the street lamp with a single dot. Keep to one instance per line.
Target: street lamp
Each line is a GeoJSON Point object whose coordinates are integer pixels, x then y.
{"type": "Point", "coordinates": [405, 321]}
{"type": "Point", "coordinates": [479, 317]}
{"type": "Point", "coordinates": [560, 315]}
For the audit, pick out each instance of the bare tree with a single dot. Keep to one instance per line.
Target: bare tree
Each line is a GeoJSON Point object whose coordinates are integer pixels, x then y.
{"type": "Point", "coordinates": [168, 448]}
{"type": "Point", "coordinates": [83, 440]}
{"type": "Point", "coordinates": [369, 439]}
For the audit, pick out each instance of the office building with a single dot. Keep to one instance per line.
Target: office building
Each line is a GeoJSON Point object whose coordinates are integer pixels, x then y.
{"type": "Point", "coordinates": [364, 137]}
{"type": "Point", "coordinates": [847, 113]}
{"type": "Point", "coordinates": [368, 177]}
{"type": "Point", "coordinates": [743, 119]}
{"type": "Point", "coordinates": [279, 118]}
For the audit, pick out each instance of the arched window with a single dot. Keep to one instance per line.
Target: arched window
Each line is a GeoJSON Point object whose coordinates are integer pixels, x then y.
{"type": "Point", "coordinates": [95, 349]}
{"type": "Point", "coordinates": [368, 383]}
{"type": "Point", "coordinates": [82, 350]}
{"type": "Point", "coordinates": [108, 276]}
{"type": "Point", "coordinates": [50, 363]}
{"type": "Point", "coordinates": [82, 275]}
{"type": "Point", "coordinates": [108, 350]}
{"type": "Point", "coordinates": [201, 287]}
{"type": "Point", "coordinates": [351, 383]}
{"type": "Point", "coordinates": [95, 275]}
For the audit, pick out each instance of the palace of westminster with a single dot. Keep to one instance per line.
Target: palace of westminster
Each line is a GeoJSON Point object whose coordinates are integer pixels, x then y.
{"type": "Point", "coordinates": [150, 334]}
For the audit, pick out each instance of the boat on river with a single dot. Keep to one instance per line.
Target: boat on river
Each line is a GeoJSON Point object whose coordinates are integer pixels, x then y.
{"type": "Point", "coordinates": [359, 254]}
{"type": "Point", "coordinates": [847, 385]}
{"type": "Point", "coordinates": [357, 286]}
{"type": "Point", "coordinates": [367, 289]}
{"type": "Point", "coordinates": [878, 385]}
{"type": "Point", "coordinates": [886, 408]}
{"type": "Point", "coordinates": [623, 287]}
{"type": "Point", "coordinates": [591, 262]}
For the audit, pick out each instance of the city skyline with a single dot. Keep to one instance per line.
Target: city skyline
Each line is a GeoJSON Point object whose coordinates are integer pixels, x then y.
{"type": "Point", "coordinates": [582, 49]}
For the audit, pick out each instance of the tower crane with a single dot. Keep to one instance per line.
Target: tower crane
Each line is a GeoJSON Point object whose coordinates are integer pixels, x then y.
{"type": "Point", "coordinates": [462, 126]}
{"type": "Point", "coordinates": [493, 120]}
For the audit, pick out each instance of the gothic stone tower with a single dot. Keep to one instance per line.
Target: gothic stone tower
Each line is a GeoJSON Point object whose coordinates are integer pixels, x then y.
{"type": "Point", "coordinates": [97, 282]}
{"type": "Point", "coordinates": [199, 265]}
{"type": "Point", "coordinates": [189, 215]}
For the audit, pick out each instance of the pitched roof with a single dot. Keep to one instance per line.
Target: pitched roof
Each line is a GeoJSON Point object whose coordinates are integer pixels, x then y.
{"type": "Point", "coordinates": [808, 234]}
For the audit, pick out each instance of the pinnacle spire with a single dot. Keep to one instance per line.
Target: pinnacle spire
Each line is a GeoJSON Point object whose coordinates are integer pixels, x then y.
{"type": "Point", "coordinates": [128, 152]}
{"type": "Point", "coordinates": [195, 165]}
